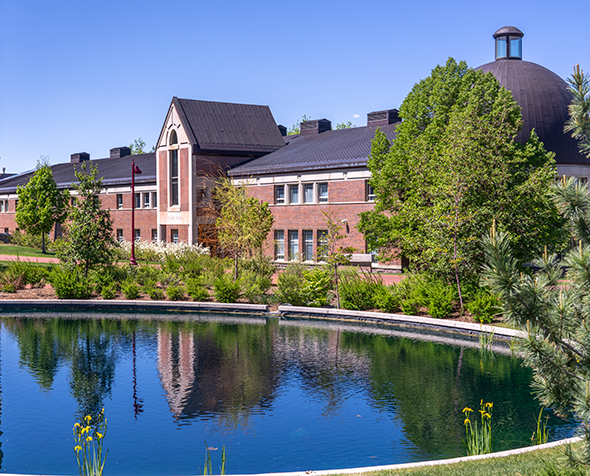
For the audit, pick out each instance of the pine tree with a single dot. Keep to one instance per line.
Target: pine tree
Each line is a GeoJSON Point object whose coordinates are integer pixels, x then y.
{"type": "Point", "coordinates": [579, 122]}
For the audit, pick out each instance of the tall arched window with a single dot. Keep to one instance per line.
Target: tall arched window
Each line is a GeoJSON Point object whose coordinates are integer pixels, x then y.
{"type": "Point", "coordinates": [173, 159]}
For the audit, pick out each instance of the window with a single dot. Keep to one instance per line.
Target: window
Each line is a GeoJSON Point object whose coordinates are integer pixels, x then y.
{"type": "Point", "coordinates": [119, 200]}
{"type": "Point", "coordinates": [154, 199]}
{"type": "Point", "coordinates": [279, 244]}
{"type": "Point", "coordinates": [6, 230]}
{"type": "Point", "coordinates": [1, 206]}
{"type": "Point", "coordinates": [308, 245]}
{"type": "Point", "coordinates": [370, 193]}
{"type": "Point", "coordinates": [201, 195]}
{"type": "Point", "coordinates": [293, 193]}
{"type": "Point", "coordinates": [173, 177]}
{"type": "Point", "coordinates": [73, 201]}
{"type": "Point", "coordinates": [293, 245]}
{"type": "Point", "coordinates": [119, 234]}
{"type": "Point", "coordinates": [174, 236]}
{"type": "Point", "coordinates": [154, 234]}
{"type": "Point", "coordinates": [322, 192]}
{"type": "Point", "coordinates": [138, 200]}
{"type": "Point", "coordinates": [308, 193]}
{"type": "Point", "coordinates": [146, 200]}
{"type": "Point", "coordinates": [136, 234]}
{"type": "Point", "coordinates": [322, 243]}
{"type": "Point", "coordinates": [279, 194]}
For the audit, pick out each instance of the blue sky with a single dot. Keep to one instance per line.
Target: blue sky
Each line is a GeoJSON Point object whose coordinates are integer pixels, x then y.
{"type": "Point", "coordinates": [80, 76]}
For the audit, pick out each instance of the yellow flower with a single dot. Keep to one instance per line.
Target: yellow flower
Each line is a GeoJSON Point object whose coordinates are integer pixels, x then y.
{"type": "Point", "coordinates": [88, 418]}
{"type": "Point", "coordinates": [489, 405]}
{"type": "Point", "coordinates": [76, 425]}
{"type": "Point", "coordinates": [98, 435]}
{"type": "Point", "coordinates": [466, 421]}
{"type": "Point", "coordinates": [89, 438]}
{"type": "Point", "coordinates": [77, 448]}
{"type": "Point", "coordinates": [487, 415]}
{"type": "Point", "coordinates": [467, 409]}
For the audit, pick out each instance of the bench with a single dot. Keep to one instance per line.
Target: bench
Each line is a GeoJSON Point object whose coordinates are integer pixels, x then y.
{"type": "Point", "coordinates": [361, 260]}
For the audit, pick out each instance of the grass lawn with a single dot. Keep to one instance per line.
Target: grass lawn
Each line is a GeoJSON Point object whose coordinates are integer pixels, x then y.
{"type": "Point", "coordinates": [24, 251]}
{"type": "Point", "coordinates": [527, 464]}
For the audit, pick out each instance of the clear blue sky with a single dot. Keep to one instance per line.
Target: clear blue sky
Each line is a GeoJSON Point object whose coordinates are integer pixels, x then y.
{"type": "Point", "coordinates": [80, 76]}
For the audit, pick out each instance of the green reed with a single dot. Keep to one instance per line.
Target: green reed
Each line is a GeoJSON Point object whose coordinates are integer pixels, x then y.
{"type": "Point", "coordinates": [208, 468]}
{"type": "Point", "coordinates": [541, 435]}
{"type": "Point", "coordinates": [478, 436]}
{"type": "Point", "coordinates": [88, 447]}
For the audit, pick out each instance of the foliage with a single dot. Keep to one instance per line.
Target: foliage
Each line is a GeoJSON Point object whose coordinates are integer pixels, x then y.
{"type": "Point", "coordinates": [334, 254]}
{"type": "Point", "coordinates": [175, 293]}
{"type": "Point", "coordinates": [88, 445]}
{"type": "Point", "coordinates": [26, 239]}
{"type": "Point", "coordinates": [579, 109]}
{"type": "Point", "coordinates": [344, 125]}
{"type": "Point", "coordinates": [541, 434]}
{"type": "Point", "coordinates": [317, 285]}
{"type": "Point", "coordinates": [290, 285]}
{"type": "Point", "coordinates": [387, 298]}
{"type": "Point", "coordinates": [160, 250]}
{"type": "Point", "coordinates": [484, 306]}
{"type": "Point", "coordinates": [478, 437]}
{"type": "Point", "coordinates": [454, 168]}
{"type": "Point", "coordinates": [89, 232]}
{"type": "Point", "coordinates": [40, 203]}
{"type": "Point", "coordinates": [130, 289]}
{"type": "Point", "coordinates": [441, 298]}
{"type": "Point", "coordinates": [138, 146]}
{"type": "Point", "coordinates": [196, 290]}
{"type": "Point", "coordinates": [208, 468]}
{"type": "Point", "coordinates": [154, 293]}
{"type": "Point", "coordinates": [109, 291]}
{"type": "Point", "coordinates": [69, 282]}
{"type": "Point", "coordinates": [296, 127]}
{"type": "Point", "coordinates": [225, 289]}
{"type": "Point", "coordinates": [359, 292]}
{"type": "Point", "coordinates": [243, 223]}
{"type": "Point", "coordinates": [20, 273]}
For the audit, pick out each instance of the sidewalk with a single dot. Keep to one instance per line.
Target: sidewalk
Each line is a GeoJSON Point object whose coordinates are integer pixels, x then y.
{"type": "Point", "coordinates": [32, 259]}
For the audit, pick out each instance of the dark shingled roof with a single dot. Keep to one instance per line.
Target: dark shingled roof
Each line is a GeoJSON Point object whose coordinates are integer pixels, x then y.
{"type": "Point", "coordinates": [543, 97]}
{"type": "Point", "coordinates": [229, 128]}
{"type": "Point", "coordinates": [328, 150]}
{"type": "Point", "coordinates": [116, 171]}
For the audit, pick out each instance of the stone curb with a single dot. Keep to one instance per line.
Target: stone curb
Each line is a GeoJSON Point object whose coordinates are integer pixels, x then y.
{"type": "Point", "coordinates": [103, 305]}
{"type": "Point", "coordinates": [328, 313]}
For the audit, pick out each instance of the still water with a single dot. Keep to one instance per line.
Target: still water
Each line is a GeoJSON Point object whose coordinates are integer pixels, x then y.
{"type": "Point", "coordinates": [280, 395]}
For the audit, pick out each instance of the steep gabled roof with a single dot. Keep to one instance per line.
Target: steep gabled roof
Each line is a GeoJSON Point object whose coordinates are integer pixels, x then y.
{"type": "Point", "coordinates": [229, 128]}
{"type": "Point", "coordinates": [114, 171]}
{"type": "Point", "coordinates": [327, 150]}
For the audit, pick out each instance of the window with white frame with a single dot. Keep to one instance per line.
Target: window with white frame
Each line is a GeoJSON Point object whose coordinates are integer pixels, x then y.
{"type": "Point", "coordinates": [1, 206]}
{"type": "Point", "coordinates": [308, 245]}
{"type": "Point", "coordinates": [119, 234]}
{"type": "Point", "coordinates": [146, 200]}
{"type": "Point", "coordinates": [370, 193]}
{"type": "Point", "coordinates": [279, 244]}
{"type": "Point", "coordinates": [119, 200]}
{"type": "Point", "coordinates": [174, 177]}
{"type": "Point", "coordinates": [137, 234]}
{"type": "Point", "coordinates": [279, 194]}
{"type": "Point", "coordinates": [293, 245]}
{"type": "Point", "coordinates": [138, 200]}
{"type": "Point", "coordinates": [322, 244]}
{"type": "Point", "coordinates": [154, 234]}
{"type": "Point", "coordinates": [322, 192]}
{"type": "Point", "coordinates": [293, 193]}
{"type": "Point", "coordinates": [308, 193]}
{"type": "Point", "coordinates": [154, 199]}
{"type": "Point", "coordinates": [174, 236]}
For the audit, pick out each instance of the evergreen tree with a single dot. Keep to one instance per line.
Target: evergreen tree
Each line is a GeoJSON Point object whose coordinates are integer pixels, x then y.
{"type": "Point", "coordinates": [579, 122]}
{"type": "Point", "coordinates": [89, 232]}
{"type": "Point", "coordinates": [40, 203]}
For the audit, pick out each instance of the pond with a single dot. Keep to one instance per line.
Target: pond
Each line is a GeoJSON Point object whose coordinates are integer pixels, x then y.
{"type": "Point", "coordinates": [284, 395]}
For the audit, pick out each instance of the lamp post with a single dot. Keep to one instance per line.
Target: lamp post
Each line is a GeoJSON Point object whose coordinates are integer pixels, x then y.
{"type": "Point", "coordinates": [134, 170]}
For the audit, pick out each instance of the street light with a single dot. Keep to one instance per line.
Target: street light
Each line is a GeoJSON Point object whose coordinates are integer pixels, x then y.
{"type": "Point", "coordinates": [134, 170]}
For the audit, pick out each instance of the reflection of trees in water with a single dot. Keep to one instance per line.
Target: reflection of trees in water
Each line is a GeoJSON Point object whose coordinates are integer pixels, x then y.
{"type": "Point", "coordinates": [1, 452]}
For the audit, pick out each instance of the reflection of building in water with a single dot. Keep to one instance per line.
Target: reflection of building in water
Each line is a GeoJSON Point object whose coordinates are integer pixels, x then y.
{"type": "Point", "coordinates": [229, 371]}
{"type": "Point", "coordinates": [1, 452]}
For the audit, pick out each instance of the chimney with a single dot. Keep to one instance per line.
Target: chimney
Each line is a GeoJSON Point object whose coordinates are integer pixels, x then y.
{"type": "Point", "coordinates": [382, 118]}
{"type": "Point", "coordinates": [119, 152]}
{"type": "Point", "coordinates": [315, 127]}
{"type": "Point", "coordinates": [282, 129]}
{"type": "Point", "coordinates": [79, 157]}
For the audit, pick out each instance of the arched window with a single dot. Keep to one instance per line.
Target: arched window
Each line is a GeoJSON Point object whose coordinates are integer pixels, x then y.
{"type": "Point", "coordinates": [173, 168]}
{"type": "Point", "coordinates": [173, 138]}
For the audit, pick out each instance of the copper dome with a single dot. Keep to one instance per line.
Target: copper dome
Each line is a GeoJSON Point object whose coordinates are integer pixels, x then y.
{"type": "Point", "coordinates": [544, 98]}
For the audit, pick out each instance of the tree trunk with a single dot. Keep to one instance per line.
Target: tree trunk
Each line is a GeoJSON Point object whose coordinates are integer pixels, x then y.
{"type": "Point", "coordinates": [43, 243]}
{"type": "Point", "coordinates": [236, 267]}
{"type": "Point", "coordinates": [336, 281]}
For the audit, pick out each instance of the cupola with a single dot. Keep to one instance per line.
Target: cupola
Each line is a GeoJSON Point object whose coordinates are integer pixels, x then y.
{"type": "Point", "coordinates": [508, 43]}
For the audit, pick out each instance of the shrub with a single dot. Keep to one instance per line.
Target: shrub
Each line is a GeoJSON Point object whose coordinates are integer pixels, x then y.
{"type": "Point", "coordinates": [27, 239]}
{"type": "Point", "coordinates": [441, 298]}
{"type": "Point", "coordinates": [130, 289]}
{"type": "Point", "coordinates": [484, 306]}
{"type": "Point", "coordinates": [317, 286]}
{"type": "Point", "coordinates": [175, 293]}
{"type": "Point", "coordinates": [291, 285]}
{"type": "Point", "coordinates": [357, 292]}
{"type": "Point", "coordinates": [69, 282]}
{"type": "Point", "coordinates": [387, 298]}
{"type": "Point", "coordinates": [226, 289]}
{"type": "Point", "coordinates": [147, 275]}
{"type": "Point", "coordinates": [409, 307]}
{"type": "Point", "coordinates": [154, 293]}
{"type": "Point", "coordinates": [215, 268]}
{"type": "Point", "coordinates": [106, 276]}
{"type": "Point", "coordinates": [109, 291]}
{"type": "Point", "coordinates": [35, 275]}
{"type": "Point", "coordinates": [196, 290]}
{"type": "Point", "coordinates": [15, 276]}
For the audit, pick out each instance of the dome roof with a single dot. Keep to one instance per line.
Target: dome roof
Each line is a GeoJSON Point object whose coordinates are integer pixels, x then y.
{"type": "Point", "coordinates": [543, 97]}
{"type": "Point", "coordinates": [508, 30]}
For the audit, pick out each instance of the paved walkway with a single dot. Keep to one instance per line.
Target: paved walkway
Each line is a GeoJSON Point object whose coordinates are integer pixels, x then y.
{"type": "Point", "coordinates": [32, 259]}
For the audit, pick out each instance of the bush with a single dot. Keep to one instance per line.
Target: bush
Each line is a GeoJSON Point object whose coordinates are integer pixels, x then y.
{"type": "Point", "coordinates": [317, 286]}
{"type": "Point", "coordinates": [387, 298]}
{"type": "Point", "coordinates": [69, 282]}
{"type": "Point", "coordinates": [26, 239]}
{"type": "Point", "coordinates": [147, 275]}
{"type": "Point", "coordinates": [20, 273]}
{"type": "Point", "coordinates": [196, 290]}
{"type": "Point", "coordinates": [409, 307]}
{"type": "Point", "coordinates": [226, 289]}
{"type": "Point", "coordinates": [109, 291]}
{"type": "Point", "coordinates": [154, 293]}
{"type": "Point", "coordinates": [441, 297]}
{"type": "Point", "coordinates": [358, 292]}
{"type": "Point", "coordinates": [130, 289]}
{"type": "Point", "coordinates": [484, 306]}
{"type": "Point", "coordinates": [291, 285]}
{"type": "Point", "coordinates": [175, 293]}
{"type": "Point", "coordinates": [106, 276]}
{"type": "Point", "coordinates": [215, 268]}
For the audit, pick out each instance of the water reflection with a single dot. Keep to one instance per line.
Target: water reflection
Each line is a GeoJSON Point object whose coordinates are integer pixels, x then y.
{"type": "Point", "coordinates": [272, 382]}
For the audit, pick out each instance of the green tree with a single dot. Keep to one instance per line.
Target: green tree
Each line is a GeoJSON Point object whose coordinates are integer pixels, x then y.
{"type": "Point", "coordinates": [138, 146]}
{"type": "Point", "coordinates": [344, 125]}
{"type": "Point", "coordinates": [40, 203]}
{"type": "Point", "coordinates": [296, 127]}
{"type": "Point", "coordinates": [454, 168]}
{"type": "Point", "coordinates": [579, 122]}
{"type": "Point", "coordinates": [243, 223]}
{"type": "Point", "coordinates": [89, 231]}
